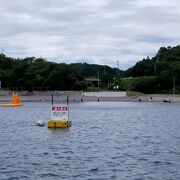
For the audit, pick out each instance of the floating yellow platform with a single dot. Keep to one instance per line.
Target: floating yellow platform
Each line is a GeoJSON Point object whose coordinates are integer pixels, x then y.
{"type": "Point", "coordinates": [10, 105]}
{"type": "Point", "coordinates": [14, 102]}
{"type": "Point", "coordinates": [59, 124]}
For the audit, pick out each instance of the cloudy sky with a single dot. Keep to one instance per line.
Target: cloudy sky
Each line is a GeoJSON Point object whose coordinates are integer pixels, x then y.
{"type": "Point", "coordinates": [92, 31]}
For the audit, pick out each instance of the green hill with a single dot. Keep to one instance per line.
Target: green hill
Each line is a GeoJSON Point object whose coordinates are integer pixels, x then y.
{"type": "Point", "coordinates": [37, 73]}
{"type": "Point", "coordinates": [160, 74]}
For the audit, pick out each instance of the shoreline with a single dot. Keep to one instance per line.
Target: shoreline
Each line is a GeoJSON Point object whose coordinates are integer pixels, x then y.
{"type": "Point", "coordinates": [79, 98]}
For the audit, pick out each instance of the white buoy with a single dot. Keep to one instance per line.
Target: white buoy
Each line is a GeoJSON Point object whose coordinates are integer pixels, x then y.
{"type": "Point", "coordinates": [40, 123]}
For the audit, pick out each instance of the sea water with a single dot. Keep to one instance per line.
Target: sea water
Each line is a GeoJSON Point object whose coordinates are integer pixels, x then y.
{"type": "Point", "coordinates": [107, 140]}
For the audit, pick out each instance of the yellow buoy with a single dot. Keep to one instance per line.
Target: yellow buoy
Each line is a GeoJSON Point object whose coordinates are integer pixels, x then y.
{"type": "Point", "coordinates": [59, 124]}
{"type": "Point", "coordinates": [59, 116]}
{"type": "Point", "coordinates": [15, 101]}
{"type": "Point", "coordinates": [51, 124]}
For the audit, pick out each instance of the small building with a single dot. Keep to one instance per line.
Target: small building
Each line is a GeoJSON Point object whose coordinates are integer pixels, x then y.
{"type": "Point", "coordinates": [93, 81]}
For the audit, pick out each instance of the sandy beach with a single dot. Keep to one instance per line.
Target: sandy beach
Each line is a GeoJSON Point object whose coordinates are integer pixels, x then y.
{"type": "Point", "coordinates": [78, 96]}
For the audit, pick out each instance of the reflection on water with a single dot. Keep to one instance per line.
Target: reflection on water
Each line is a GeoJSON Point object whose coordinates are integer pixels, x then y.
{"type": "Point", "coordinates": [107, 140]}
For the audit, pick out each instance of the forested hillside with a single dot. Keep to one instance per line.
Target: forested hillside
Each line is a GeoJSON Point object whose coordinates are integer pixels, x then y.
{"type": "Point", "coordinates": [34, 72]}
{"type": "Point", "coordinates": [160, 74]}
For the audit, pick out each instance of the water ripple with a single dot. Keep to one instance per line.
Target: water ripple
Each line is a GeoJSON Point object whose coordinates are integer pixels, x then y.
{"type": "Point", "coordinates": [107, 140]}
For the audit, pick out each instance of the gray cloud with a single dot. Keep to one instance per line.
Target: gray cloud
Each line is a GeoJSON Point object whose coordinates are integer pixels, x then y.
{"type": "Point", "coordinates": [102, 31]}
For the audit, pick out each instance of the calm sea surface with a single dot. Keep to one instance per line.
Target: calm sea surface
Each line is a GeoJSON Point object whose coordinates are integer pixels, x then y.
{"type": "Point", "coordinates": [107, 140]}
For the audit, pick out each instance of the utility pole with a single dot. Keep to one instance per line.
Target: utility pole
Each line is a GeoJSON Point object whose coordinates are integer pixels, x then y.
{"type": "Point", "coordinates": [98, 78]}
{"type": "Point", "coordinates": [118, 67]}
{"type": "Point", "coordinates": [118, 64]}
{"type": "Point", "coordinates": [174, 84]}
{"type": "Point", "coordinates": [104, 70]}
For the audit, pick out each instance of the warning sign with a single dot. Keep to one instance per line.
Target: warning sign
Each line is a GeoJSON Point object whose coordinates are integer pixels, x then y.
{"type": "Point", "coordinates": [60, 112]}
